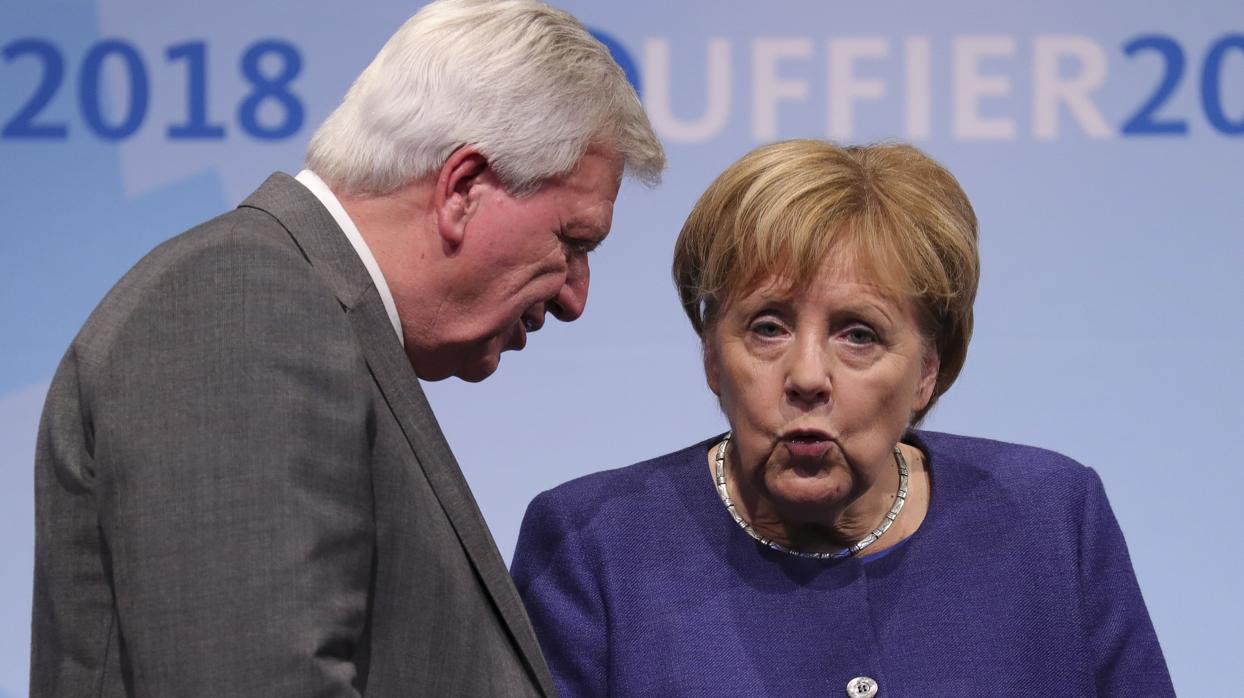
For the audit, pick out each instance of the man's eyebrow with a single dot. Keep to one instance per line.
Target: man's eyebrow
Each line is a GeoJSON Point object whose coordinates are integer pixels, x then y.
{"type": "Point", "coordinates": [585, 228]}
{"type": "Point", "coordinates": [583, 244]}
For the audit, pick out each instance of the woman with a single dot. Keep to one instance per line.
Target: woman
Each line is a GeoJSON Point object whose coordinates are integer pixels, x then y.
{"type": "Point", "coordinates": [823, 546]}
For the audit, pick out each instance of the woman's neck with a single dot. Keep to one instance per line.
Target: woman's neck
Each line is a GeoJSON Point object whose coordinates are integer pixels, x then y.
{"type": "Point", "coordinates": [835, 525]}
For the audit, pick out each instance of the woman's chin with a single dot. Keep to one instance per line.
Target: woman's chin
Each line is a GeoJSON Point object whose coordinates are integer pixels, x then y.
{"type": "Point", "coordinates": [809, 492]}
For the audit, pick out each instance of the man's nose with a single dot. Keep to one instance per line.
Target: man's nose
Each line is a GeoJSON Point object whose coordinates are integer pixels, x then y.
{"type": "Point", "coordinates": [570, 301]}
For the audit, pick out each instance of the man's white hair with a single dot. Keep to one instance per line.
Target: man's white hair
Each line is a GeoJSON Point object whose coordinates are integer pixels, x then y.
{"type": "Point", "coordinates": [522, 81]}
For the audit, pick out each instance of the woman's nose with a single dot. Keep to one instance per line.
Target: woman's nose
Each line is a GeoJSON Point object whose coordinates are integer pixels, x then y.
{"type": "Point", "coordinates": [807, 376]}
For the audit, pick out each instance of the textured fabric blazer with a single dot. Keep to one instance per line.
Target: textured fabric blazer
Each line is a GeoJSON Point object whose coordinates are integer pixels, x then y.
{"type": "Point", "coordinates": [241, 490]}
{"type": "Point", "coordinates": [1017, 583]}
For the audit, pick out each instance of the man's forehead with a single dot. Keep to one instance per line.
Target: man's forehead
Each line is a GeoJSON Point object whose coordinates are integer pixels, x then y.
{"type": "Point", "coordinates": [594, 175]}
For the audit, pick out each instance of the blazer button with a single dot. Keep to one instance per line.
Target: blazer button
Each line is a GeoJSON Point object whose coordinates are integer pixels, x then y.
{"type": "Point", "coordinates": [861, 687]}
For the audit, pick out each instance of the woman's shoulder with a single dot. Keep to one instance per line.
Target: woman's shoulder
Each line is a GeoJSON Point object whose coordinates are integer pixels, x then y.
{"type": "Point", "coordinates": [1018, 468]}
{"type": "Point", "coordinates": [631, 488]}
{"type": "Point", "coordinates": [991, 452]}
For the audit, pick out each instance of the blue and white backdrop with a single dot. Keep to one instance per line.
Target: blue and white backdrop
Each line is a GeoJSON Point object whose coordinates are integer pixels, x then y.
{"type": "Point", "coordinates": [1102, 144]}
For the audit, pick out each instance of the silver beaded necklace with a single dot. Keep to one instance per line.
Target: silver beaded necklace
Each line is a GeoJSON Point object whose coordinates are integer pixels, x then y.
{"type": "Point", "coordinates": [900, 498]}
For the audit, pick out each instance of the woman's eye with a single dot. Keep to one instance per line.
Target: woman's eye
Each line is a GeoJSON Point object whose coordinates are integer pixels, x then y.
{"type": "Point", "coordinates": [860, 335]}
{"type": "Point", "coordinates": [767, 329]}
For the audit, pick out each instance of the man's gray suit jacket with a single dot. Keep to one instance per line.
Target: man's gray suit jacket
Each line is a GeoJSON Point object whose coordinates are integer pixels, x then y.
{"type": "Point", "coordinates": [241, 490]}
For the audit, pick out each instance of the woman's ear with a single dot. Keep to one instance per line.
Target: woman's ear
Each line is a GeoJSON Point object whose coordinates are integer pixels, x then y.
{"type": "Point", "coordinates": [712, 367]}
{"type": "Point", "coordinates": [929, 370]}
{"type": "Point", "coordinates": [457, 192]}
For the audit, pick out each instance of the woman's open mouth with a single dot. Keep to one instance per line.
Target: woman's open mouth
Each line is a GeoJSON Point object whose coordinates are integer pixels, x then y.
{"type": "Point", "coordinates": [806, 444]}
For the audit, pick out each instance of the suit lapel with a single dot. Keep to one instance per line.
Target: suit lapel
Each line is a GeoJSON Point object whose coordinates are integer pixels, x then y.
{"type": "Point", "coordinates": [328, 249]}
{"type": "Point", "coordinates": [401, 388]}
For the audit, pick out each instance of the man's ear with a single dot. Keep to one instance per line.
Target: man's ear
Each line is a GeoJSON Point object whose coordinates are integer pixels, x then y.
{"type": "Point", "coordinates": [457, 192]}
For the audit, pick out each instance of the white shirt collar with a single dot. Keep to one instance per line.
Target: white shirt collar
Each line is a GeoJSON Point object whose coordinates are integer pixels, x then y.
{"type": "Point", "coordinates": [312, 182]}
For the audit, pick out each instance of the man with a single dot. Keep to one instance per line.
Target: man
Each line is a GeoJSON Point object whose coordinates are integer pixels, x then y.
{"type": "Point", "coordinates": [240, 487]}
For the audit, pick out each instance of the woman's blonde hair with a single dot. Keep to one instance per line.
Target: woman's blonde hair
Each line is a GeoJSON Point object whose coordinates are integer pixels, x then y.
{"type": "Point", "coordinates": [781, 210]}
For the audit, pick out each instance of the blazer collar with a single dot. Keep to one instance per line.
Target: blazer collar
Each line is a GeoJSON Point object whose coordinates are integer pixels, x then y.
{"type": "Point", "coordinates": [316, 233]}
{"type": "Point", "coordinates": [326, 247]}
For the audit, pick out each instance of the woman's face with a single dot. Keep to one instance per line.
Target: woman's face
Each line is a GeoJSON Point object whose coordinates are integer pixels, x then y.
{"type": "Point", "coordinates": [818, 385]}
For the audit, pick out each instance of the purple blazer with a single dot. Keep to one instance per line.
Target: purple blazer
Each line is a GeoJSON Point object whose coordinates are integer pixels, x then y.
{"type": "Point", "coordinates": [1018, 583]}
